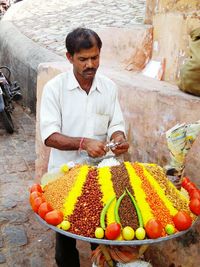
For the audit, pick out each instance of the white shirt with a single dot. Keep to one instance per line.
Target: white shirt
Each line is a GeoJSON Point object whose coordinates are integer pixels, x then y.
{"type": "Point", "coordinates": [67, 109]}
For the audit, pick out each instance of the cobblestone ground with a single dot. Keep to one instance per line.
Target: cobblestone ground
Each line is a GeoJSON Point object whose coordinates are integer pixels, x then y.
{"type": "Point", "coordinates": [18, 225]}
{"type": "Point", "coordinates": [48, 24]}
{"type": "Point", "coordinates": [24, 242]}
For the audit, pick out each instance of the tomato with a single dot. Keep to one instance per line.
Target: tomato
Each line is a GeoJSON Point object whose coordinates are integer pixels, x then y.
{"type": "Point", "coordinates": [34, 195]}
{"type": "Point", "coordinates": [153, 228]}
{"type": "Point", "coordinates": [194, 193]}
{"type": "Point", "coordinates": [195, 205]}
{"type": "Point", "coordinates": [43, 209]}
{"type": "Point", "coordinates": [182, 220]}
{"type": "Point", "coordinates": [185, 181]}
{"type": "Point", "coordinates": [54, 217]}
{"type": "Point", "coordinates": [112, 231]}
{"type": "Point", "coordinates": [36, 187]}
{"type": "Point", "coordinates": [190, 186]}
{"type": "Point", "coordinates": [36, 203]}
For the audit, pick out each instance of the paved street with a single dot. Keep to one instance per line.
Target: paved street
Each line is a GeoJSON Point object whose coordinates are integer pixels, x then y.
{"type": "Point", "coordinates": [54, 22]}
{"type": "Point", "coordinates": [24, 242]}
{"type": "Point", "coordinates": [18, 225]}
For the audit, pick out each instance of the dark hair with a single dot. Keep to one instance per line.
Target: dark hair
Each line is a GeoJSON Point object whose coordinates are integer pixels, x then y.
{"type": "Point", "coordinates": [82, 38]}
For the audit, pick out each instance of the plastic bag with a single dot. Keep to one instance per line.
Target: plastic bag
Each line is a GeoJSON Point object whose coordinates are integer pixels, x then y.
{"type": "Point", "coordinates": [179, 140]}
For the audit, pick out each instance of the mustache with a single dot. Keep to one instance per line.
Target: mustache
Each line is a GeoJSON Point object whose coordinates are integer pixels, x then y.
{"type": "Point", "coordinates": [90, 70]}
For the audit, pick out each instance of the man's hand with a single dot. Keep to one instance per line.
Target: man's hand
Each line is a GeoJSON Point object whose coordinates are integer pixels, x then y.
{"type": "Point", "coordinates": [94, 147]}
{"type": "Point", "coordinates": [119, 137]}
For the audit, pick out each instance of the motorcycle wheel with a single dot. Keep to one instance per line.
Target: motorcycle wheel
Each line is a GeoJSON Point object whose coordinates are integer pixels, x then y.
{"type": "Point", "coordinates": [7, 121]}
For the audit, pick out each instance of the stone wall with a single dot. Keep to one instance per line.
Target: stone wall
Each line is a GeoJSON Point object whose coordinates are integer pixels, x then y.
{"type": "Point", "coordinates": [172, 21]}
{"type": "Point", "coordinates": [125, 48]}
{"type": "Point", "coordinates": [23, 57]}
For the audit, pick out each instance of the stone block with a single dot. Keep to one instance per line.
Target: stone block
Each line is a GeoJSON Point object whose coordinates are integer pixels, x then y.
{"type": "Point", "coordinates": [172, 22]}
{"type": "Point", "coordinates": [150, 10]}
{"type": "Point", "coordinates": [127, 48]}
{"type": "Point", "coordinates": [185, 6]}
{"type": "Point", "coordinates": [154, 7]}
{"type": "Point", "coordinates": [171, 40]}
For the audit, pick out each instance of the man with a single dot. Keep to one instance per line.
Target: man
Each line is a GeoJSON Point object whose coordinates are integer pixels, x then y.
{"type": "Point", "coordinates": [80, 111]}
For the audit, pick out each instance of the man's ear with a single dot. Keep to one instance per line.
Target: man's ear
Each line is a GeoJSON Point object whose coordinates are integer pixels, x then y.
{"type": "Point", "coordinates": [69, 57]}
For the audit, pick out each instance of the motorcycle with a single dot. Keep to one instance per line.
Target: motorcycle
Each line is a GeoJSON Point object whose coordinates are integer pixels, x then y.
{"type": "Point", "coordinates": [9, 92]}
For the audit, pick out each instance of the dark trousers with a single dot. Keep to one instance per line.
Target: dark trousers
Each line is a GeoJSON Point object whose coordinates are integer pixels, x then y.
{"type": "Point", "coordinates": [66, 252]}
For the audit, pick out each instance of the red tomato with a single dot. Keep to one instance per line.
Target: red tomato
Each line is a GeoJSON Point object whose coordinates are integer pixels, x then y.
{"type": "Point", "coordinates": [36, 187]}
{"type": "Point", "coordinates": [54, 217]}
{"type": "Point", "coordinates": [182, 220]}
{"type": "Point", "coordinates": [44, 209]}
{"type": "Point", "coordinates": [190, 186]}
{"type": "Point", "coordinates": [112, 231]}
{"type": "Point", "coordinates": [153, 228]}
{"type": "Point", "coordinates": [194, 193]}
{"type": "Point", "coordinates": [185, 181]}
{"type": "Point", "coordinates": [195, 206]}
{"type": "Point", "coordinates": [36, 203]}
{"type": "Point", "coordinates": [34, 195]}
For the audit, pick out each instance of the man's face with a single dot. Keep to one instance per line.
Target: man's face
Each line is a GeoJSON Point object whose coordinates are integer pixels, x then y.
{"type": "Point", "coordinates": [85, 63]}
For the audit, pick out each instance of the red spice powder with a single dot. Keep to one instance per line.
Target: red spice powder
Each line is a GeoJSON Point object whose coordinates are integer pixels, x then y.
{"type": "Point", "coordinates": [85, 217]}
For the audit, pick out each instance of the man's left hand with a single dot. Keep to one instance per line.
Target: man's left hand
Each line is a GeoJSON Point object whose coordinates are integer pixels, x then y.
{"type": "Point", "coordinates": [123, 145]}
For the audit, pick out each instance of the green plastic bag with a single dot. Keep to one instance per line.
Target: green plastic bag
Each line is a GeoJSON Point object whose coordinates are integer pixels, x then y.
{"type": "Point", "coordinates": [190, 71]}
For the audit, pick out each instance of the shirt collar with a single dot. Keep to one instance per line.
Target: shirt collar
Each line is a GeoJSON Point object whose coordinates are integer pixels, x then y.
{"type": "Point", "coordinates": [73, 83]}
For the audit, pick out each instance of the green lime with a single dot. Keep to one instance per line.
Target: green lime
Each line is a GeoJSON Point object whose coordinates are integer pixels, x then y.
{"type": "Point", "coordinates": [65, 225]}
{"type": "Point", "coordinates": [64, 168]}
{"type": "Point", "coordinates": [99, 232]}
{"type": "Point", "coordinates": [140, 233]}
{"type": "Point", "coordinates": [169, 229]}
{"type": "Point", "coordinates": [128, 233]}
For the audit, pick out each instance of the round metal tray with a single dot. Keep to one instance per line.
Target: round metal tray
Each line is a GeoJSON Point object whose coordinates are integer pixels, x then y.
{"type": "Point", "coordinates": [114, 242]}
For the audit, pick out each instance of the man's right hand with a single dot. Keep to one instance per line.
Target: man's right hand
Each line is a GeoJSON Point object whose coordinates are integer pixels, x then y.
{"type": "Point", "coordinates": [94, 148]}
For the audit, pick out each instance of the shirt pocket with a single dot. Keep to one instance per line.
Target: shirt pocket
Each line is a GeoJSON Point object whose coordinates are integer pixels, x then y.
{"type": "Point", "coordinates": [101, 124]}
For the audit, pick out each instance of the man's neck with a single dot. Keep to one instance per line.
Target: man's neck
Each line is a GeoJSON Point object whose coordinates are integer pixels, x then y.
{"type": "Point", "coordinates": [85, 84]}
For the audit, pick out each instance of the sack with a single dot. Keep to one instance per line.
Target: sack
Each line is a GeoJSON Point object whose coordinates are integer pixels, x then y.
{"type": "Point", "coordinates": [190, 71]}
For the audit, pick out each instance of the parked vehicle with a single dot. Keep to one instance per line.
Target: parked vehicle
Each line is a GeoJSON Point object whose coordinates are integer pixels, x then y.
{"type": "Point", "coordinates": [9, 92]}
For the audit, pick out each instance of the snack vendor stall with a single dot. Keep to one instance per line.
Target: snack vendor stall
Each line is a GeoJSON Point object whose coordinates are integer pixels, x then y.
{"type": "Point", "coordinates": [122, 206]}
